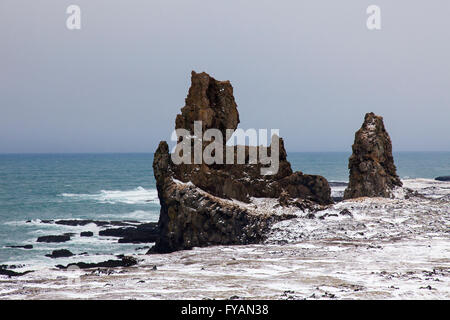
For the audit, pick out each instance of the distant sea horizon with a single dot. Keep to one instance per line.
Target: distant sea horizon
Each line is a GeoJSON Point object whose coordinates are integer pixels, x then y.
{"type": "Point", "coordinates": [151, 152]}
{"type": "Point", "coordinates": [330, 164]}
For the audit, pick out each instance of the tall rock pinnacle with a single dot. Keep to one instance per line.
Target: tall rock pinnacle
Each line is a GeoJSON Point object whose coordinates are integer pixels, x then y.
{"type": "Point", "coordinates": [372, 169]}
{"type": "Point", "coordinates": [212, 204]}
{"type": "Point", "coordinates": [210, 101]}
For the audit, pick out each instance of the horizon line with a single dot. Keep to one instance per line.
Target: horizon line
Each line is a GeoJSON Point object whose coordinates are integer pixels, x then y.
{"type": "Point", "coordinates": [148, 152]}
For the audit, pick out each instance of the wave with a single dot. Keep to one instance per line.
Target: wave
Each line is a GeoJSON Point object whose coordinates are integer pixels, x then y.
{"type": "Point", "coordinates": [139, 215]}
{"type": "Point", "coordinates": [138, 195]}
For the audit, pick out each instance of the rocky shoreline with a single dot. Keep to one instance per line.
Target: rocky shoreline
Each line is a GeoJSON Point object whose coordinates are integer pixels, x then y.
{"type": "Point", "coordinates": [364, 248]}
{"type": "Point", "coordinates": [126, 231]}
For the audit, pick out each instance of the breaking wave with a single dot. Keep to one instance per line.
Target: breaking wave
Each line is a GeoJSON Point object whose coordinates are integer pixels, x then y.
{"type": "Point", "coordinates": [138, 195]}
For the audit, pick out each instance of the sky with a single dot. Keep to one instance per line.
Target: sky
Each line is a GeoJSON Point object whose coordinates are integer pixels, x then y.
{"type": "Point", "coordinates": [311, 69]}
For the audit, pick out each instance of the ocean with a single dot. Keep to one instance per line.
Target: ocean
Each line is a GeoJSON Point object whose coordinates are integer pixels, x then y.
{"type": "Point", "coordinates": [34, 187]}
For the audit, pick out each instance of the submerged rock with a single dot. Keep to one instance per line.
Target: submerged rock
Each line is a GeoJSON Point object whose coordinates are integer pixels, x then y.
{"type": "Point", "coordinates": [443, 178]}
{"type": "Point", "coordinates": [372, 169]}
{"type": "Point", "coordinates": [205, 204]}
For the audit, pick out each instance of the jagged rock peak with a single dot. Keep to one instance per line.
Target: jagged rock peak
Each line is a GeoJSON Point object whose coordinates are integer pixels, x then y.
{"type": "Point", "coordinates": [210, 101]}
{"type": "Point", "coordinates": [372, 169]}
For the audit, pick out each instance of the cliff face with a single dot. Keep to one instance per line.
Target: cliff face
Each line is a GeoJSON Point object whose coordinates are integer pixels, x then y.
{"type": "Point", "coordinates": [191, 217]}
{"type": "Point", "coordinates": [206, 204]}
{"type": "Point", "coordinates": [372, 169]}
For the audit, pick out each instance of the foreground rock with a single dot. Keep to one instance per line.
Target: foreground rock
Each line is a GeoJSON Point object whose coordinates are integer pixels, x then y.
{"type": "Point", "coordinates": [372, 169]}
{"type": "Point", "coordinates": [204, 204]}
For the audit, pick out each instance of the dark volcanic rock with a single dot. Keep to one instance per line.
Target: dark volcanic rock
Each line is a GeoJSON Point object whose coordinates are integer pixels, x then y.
{"type": "Point", "coordinates": [210, 101]}
{"type": "Point", "coordinates": [5, 272]}
{"type": "Point", "coordinates": [443, 178]}
{"type": "Point", "coordinates": [11, 273]}
{"type": "Point", "coordinates": [87, 234]}
{"type": "Point", "coordinates": [144, 233]}
{"type": "Point", "coordinates": [61, 238]}
{"type": "Point", "coordinates": [27, 246]}
{"type": "Point", "coordinates": [125, 261]}
{"type": "Point", "coordinates": [11, 266]}
{"type": "Point", "coordinates": [63, 253]}
{"type": "Point", "coordinates": [191, 217]}
{"type": "Point", "coordinates": [193, 212]}
{"type": "Point", "coordinates": [372, 169]}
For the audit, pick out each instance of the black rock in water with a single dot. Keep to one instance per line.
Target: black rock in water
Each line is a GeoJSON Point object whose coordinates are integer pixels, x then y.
{"type": "Point", "coordinates": [442, 178]}
{"type": "Point", "coordinates": [10, 273]}
{"type": "Point", "coordinates": [27, 246]}
{"type": "Point", "coordinates": [87, 234]}
{"type": "Point", "coordinates": [5, 272]}
{"type": "Point", "coordinates": [62, 238]}
{"type": "Point", "coordinates": [125, 261]}
{"type": "Point", "coordinates": [63, 253]}
{"type": "Point", "coordinates": [144, 233]}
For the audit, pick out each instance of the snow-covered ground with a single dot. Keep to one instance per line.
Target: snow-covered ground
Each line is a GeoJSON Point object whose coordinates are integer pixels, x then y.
{"type": "Point", "coordinates": [375, 249]}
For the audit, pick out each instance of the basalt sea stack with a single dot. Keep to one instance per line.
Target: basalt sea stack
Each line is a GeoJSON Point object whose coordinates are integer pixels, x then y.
{"type": "Point", "coordinates": [372, 169]}
{"type": "Point", "coordinates": [205, 204]}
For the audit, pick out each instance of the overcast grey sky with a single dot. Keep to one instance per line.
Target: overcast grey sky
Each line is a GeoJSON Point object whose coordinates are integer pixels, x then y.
{"type": "Point", "coordinates": [309, 68]}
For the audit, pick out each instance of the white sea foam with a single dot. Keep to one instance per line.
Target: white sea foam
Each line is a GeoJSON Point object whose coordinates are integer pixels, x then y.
{"type": "Point", "coordinates": [428, 187]}
{"type": "Point", "coordinates": [337, 191]}
{"type": "Point", "coordinates": [138, 195]}
{"type": "Point", "coordinates": [140, 215]}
